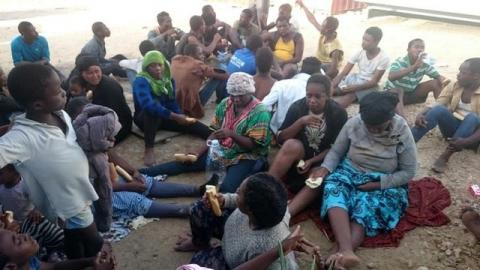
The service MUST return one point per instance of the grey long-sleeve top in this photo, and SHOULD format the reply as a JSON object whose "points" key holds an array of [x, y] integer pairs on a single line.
{"points": [[393, 152]]}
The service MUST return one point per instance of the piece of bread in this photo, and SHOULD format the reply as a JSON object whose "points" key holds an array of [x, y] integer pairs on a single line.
{"points": [[124, 174], [89, 95], [113, 172], [9, 216], [211, 192], [190, 120], [301, 164], [314, 183], [185, 158]]}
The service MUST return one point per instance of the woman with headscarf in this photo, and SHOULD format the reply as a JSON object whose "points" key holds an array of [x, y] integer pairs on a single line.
{"points": [[155, 105], [105, 91], [241, 124], [366, 174]]}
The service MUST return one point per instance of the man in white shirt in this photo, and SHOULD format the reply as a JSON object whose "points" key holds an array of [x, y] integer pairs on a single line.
{"points": [[134, 66], [372, 63], [286, 92]]}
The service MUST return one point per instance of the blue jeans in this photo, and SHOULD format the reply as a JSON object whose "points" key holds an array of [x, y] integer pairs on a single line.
{"points": [[450, 126], [214, 85], [234, 177], [131, 75]]}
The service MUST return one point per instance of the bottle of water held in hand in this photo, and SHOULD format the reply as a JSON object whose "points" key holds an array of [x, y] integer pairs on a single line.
{"points": [[215, 165]]}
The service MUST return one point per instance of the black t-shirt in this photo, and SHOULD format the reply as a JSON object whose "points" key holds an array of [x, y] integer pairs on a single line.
{"points": [[335, 118]]}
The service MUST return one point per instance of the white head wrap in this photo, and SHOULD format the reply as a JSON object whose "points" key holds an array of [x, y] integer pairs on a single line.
{"points": [[240, 83]]}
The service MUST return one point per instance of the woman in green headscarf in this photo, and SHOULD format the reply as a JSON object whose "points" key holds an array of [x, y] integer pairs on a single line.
{"points": [[155, 105]]}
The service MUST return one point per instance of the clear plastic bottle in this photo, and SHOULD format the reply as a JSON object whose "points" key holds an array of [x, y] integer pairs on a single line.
{"points": [[215, 165]]}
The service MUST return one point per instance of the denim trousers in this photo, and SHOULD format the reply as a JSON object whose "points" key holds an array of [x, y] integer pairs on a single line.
{"points": [[450, 126]]}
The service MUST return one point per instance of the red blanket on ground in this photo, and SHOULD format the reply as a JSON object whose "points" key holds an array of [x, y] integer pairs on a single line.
{"points": [[427, 198]]}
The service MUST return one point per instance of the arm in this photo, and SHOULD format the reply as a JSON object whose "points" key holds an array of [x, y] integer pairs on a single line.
{"points": [[272, 98], [311, 18], [367, 85], [76, 264], [293, 123], [346, 70], [206, 49], [396, 72], [143, 95], [338, 149], [299, 46], [118, 160]]}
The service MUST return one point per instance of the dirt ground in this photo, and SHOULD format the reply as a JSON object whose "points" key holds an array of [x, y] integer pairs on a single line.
{"points": [[66, 24]]}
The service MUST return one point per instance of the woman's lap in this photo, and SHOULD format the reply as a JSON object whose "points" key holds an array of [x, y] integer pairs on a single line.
{"points": [[376, 211]]}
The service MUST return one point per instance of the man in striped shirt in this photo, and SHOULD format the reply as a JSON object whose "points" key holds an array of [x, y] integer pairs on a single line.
{"points": [[406, 74]]}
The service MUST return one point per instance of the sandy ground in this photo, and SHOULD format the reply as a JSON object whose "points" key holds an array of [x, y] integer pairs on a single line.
{"points": [[66, 24]]}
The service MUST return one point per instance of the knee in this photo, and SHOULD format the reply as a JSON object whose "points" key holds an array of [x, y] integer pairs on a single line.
{"points": [[292, 147], [438, 110], [472, 118]]}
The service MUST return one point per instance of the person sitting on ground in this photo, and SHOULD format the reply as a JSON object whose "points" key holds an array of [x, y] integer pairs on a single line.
{"points": [[18, 251], [372, 63], [165, 35], [366, 172], [329, 50], [7, 103], [243, 60], [134, 66], [190, 72], [96, 48], [311, 126], [241, 124], [456, 112], [263, 80], [287, 46], [14, 197], [215, 26], [96, 127], [253, 221], [285, 11], [106, 92], [197, 36], [406, 74], [285, 92], [30, 47], [243, 28], [155, 104], [43, 148], [471, 219]]}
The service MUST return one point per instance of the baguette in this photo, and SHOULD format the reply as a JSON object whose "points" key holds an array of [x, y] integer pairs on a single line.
{"points": [[185, 158], [124, 174], [301, 164], [314, 183], [211, 192], [190, 120], [9, 216], [113, 172]]}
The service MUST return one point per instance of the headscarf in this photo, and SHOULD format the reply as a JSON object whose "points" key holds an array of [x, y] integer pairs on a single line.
{"points": [[164, 85], [84, 61], [240, 83], [378, 107]]}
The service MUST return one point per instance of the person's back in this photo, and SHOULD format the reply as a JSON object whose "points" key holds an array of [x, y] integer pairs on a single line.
{"points": [[263, 81]]}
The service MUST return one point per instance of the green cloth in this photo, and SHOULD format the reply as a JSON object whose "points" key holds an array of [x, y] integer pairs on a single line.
{"points": [[163, 86], [254, 126], [413, 79]]}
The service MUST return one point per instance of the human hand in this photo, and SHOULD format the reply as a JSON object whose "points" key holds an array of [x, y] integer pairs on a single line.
{"points": [[457, 144], [217, 37], [310, 120], [180, 119], [35, 216], [223, 133], [337, 55], [370, 186], [138, 177], [318, 172], [136, 186], [419, 62], [105, 259], [300, 3], [220, 198], [306, 167], [421, 121], [170, 32], [297, 242]]}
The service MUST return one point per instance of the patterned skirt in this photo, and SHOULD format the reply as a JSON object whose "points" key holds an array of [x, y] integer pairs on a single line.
{"points": [[377, 211]]}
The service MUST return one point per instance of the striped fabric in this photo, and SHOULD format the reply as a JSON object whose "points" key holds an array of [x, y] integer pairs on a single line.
{"points": [[413, 79], [47, 234]]}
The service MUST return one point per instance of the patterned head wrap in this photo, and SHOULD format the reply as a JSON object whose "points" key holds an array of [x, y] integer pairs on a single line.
{"points": [[240, 83]]}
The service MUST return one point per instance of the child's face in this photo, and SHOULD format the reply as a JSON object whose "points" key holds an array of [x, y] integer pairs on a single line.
{"points": [[8, 176], [19, 248], [76, 90], [54, 96]]}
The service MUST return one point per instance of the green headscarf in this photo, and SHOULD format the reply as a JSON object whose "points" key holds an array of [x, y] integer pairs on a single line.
{"points": [[163, 86]]}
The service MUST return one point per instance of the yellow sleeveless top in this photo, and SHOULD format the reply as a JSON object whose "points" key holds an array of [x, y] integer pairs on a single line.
{"points": [[325, 49], [284, 50]]}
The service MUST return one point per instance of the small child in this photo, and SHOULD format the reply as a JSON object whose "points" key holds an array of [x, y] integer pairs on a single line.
{"points": [[17, 252], [42, 146], [14, 197], [76, 88]]}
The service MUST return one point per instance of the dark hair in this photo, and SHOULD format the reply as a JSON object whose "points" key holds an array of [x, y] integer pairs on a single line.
{"points": [[161, 16], [206, 8], [474, 64], [248, 12], [146, 46], [196, 22], [266, 198], [378, 107], [254, 42], [264, 59], [286, 6], [321, 79], [311, 65], [76, 80], [75, 106], [23, 25], [332, 22], [84, 61], [27, 82], [410, 44], [374, 32], [191, 49], [282, 19], [96, 26]]}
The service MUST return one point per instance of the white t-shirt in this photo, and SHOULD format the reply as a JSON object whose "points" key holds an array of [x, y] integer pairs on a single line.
{"points": [[52, 164], [367, 67]]}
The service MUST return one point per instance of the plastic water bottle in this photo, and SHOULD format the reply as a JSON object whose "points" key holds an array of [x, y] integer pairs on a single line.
{"points": [[215, 164]]}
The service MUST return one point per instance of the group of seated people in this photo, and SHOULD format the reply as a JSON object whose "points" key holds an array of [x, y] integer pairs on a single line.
{"points": [[59, 169]]}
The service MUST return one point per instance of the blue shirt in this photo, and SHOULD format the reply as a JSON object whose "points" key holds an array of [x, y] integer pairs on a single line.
{"points": [[38, 50], [243, 60], [158, 106]]}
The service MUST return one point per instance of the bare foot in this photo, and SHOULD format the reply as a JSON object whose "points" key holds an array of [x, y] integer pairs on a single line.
{"points": [[185, 246], [440, 165], [471, 220], [149, 157], [349, 259]]}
